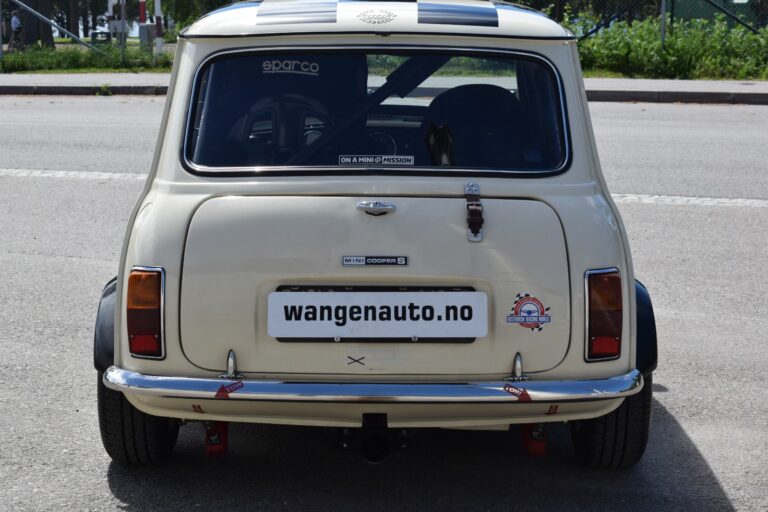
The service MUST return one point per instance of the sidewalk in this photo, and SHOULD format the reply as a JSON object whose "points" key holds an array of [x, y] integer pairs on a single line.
{"points": [[85, 84], [598, 89]]}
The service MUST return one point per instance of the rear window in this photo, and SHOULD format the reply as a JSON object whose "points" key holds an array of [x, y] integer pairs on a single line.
{"points": [[364, 110]]}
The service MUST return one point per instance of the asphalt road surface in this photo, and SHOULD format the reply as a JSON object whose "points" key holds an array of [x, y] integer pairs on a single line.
{"points": [[694, 196]]}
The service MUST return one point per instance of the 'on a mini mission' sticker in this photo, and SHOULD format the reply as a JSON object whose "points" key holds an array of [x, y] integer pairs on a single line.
{"points": [[376, 160]]}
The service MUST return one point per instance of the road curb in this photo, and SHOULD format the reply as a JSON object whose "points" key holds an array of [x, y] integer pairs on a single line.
{"points": [[744, 98], [596, 95]]}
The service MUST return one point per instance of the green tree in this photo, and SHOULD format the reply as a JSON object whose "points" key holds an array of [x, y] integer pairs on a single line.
{"points": [[185, 12], [34, 29]]}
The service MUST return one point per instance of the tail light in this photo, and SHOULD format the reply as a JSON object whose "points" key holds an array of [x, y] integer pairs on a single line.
{"points": [[145, 312], [604, 314]]}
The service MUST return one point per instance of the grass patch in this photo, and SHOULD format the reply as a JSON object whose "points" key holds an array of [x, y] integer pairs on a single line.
{"points": [[695, 49], [170, 36], [84, 71], [131, 41], [383, 65], [604, 73], [68, 60]]}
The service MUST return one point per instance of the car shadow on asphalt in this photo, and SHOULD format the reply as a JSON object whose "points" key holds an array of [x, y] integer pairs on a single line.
{"points": [[298, 468]]}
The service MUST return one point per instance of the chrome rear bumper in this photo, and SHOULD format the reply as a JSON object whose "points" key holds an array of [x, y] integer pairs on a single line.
{"points": [[493, 392]]}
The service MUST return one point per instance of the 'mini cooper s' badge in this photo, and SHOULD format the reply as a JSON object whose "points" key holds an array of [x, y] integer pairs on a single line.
{"points": [[374, 261]]}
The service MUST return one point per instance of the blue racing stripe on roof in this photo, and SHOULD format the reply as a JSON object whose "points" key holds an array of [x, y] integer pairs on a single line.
{"points": [[479, 15], [280, 12]]}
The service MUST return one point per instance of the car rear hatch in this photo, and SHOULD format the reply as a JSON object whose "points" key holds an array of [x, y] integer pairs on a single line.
{"points": [[325, 285]]}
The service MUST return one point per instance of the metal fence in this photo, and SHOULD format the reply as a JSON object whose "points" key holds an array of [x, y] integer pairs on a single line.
{"points": [[753, 14]]}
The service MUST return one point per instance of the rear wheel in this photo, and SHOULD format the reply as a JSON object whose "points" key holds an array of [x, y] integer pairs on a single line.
{"points": [[129, 435], [616, 440]]}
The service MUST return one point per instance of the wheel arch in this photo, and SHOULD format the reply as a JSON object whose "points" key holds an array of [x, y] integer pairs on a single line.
{"points": [[646, 346], [104, 333]]}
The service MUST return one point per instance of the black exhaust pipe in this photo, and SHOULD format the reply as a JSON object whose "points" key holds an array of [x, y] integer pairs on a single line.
{"points": [[375, 447]]}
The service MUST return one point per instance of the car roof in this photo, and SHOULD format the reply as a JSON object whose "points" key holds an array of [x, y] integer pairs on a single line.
{"points": [[461, 17]]}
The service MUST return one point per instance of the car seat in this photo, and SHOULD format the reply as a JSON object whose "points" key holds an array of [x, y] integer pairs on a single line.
{"points": [[484, 122], [242, 91]]}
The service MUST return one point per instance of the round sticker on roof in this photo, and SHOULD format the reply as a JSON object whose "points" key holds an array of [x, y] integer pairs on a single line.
{"points": [[377, 17]]}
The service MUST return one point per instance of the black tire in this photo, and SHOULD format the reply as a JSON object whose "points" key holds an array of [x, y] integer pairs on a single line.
{"points": [[616, 440], [129, 435]]}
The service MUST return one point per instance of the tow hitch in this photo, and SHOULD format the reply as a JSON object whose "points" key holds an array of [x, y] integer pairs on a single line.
{"points": [[375, 441]]}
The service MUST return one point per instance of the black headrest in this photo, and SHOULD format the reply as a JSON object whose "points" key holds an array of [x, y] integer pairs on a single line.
{"points": [[472, 103], [481, 119]]}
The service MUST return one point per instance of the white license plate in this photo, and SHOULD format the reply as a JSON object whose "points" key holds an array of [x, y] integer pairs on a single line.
{"points": [[381, 315]]}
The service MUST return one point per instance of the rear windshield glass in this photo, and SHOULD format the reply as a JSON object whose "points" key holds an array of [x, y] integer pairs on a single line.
{"points": [[376, 110]]}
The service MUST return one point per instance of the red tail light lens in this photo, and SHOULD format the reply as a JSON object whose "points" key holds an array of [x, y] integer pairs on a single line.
{"points": [[145, 290], [604, 315]]}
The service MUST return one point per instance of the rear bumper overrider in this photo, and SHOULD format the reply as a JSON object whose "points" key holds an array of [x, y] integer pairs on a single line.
{"points": [[481, 392]]}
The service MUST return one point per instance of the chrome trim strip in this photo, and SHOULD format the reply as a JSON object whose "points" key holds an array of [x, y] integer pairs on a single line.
{"points": [[586, 311], [161, 270], [250, 172], [503, 391]]}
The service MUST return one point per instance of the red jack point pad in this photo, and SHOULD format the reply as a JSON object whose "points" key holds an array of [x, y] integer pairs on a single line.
{"points": [[216, 439], [534, 440]]}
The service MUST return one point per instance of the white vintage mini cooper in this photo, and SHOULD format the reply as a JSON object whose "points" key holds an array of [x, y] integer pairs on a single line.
{"points": [[376, 215]]}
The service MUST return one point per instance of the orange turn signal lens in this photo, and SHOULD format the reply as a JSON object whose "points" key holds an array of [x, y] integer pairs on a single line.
{"points": [[144, 312], [604, 315], [144, 288]]}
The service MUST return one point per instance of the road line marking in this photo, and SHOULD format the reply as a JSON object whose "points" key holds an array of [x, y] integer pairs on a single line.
{"points": [[619, 198], [688, 200], [80, 175]]}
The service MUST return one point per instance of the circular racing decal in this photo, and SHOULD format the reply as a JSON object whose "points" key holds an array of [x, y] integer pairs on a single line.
{"points": [[377, 17], [529, 312]]}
